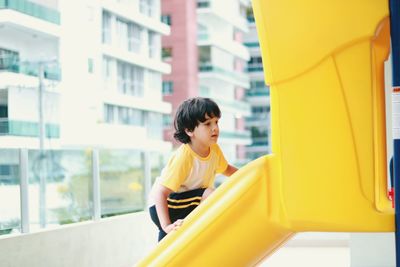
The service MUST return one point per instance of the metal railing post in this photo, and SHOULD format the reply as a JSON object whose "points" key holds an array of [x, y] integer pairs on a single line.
{"points": [[24, 189]]}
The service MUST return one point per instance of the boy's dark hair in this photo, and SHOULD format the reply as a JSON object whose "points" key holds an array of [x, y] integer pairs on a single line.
{"points": [[190, 113]]}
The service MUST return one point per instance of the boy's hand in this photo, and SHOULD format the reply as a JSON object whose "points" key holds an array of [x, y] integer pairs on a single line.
{"points": [[173, 226]]}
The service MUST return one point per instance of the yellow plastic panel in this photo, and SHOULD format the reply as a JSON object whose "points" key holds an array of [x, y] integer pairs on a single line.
{"points": [[236, 226], [323, 61], [327, 106], [309, 30]]}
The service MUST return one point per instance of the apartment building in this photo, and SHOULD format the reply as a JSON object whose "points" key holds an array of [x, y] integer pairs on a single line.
{"points": [[208, 59], [75, 76], [257, 96], [101, 74], [114, 51], [29, 55]]}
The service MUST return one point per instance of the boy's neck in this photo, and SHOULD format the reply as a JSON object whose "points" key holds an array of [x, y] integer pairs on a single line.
{"points": [[200, 150]]}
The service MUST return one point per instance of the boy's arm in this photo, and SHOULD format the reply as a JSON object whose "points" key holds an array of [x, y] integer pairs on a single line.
{"points": [[160, 197], [230, 170]]}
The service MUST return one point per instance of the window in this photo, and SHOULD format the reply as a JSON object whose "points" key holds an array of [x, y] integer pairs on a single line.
{"points": [[255, 64], [250, 15], [202, 32], [166, 19], [204, 55], [130, 79], [257, 85], [154, 82], [167, 53], [90, 65], [147, 7], [153, 38], [109, 113], [155, 128], [3, 111], [134, 37], [9, 60], [167, 120], [122, 34], [106, 33], [107, 68], [123, 115], [168, 88], [259, 110]]}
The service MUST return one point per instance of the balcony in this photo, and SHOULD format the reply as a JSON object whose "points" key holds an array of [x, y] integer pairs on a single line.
{"points": [[209, 71], [32, 9], [203, 4], [129, 11], [255, 68], [257, 92], [27, 128], [252, 44], [237, 107], [230, 46], [208, 11], [31, 69], [235, 137]]}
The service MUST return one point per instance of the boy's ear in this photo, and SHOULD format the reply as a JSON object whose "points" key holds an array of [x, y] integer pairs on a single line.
{"points": [[189, 133]]}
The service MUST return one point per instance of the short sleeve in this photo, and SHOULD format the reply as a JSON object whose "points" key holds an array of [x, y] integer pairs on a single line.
{"points": [[176, 171], [222, 163]]}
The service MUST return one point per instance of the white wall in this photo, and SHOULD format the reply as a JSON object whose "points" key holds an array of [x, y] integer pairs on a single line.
{"points": [[372, 250], [118, 242], [23, 105]]}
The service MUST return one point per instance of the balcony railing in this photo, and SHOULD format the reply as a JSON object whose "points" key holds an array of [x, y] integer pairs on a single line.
{"points": [[258, 92], [32, 9], [28, 129], [252, 44], [236, 134], [78, 185], [31, 69], [255, 68], [203, 4], [207, 67], [232, 104]]}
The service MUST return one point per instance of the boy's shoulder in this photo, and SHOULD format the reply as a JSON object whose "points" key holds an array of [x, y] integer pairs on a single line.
{"points": [[216, 148], [183, 151]]}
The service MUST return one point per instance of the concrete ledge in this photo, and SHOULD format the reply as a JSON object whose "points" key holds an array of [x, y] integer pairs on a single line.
{"points": [[117, 241]]}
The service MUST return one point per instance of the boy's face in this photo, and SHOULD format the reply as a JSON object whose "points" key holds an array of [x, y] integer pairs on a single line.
{"points": [[206, 133]]}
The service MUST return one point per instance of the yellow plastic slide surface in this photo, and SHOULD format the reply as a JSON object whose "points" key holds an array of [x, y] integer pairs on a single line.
{"points": [[236, 226], [324, 62]]}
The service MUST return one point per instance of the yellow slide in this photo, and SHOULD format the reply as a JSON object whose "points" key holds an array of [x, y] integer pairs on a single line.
{"points": [[323, 61]]}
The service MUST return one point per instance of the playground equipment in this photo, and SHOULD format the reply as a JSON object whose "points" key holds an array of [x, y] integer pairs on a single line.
{"points": [[324, 62]]}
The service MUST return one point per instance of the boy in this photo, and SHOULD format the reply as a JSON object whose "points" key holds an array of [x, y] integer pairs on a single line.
{"points": [[189, 175]]}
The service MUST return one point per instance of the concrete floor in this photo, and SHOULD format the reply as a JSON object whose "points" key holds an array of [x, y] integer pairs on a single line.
{"points": [[312, 250]]}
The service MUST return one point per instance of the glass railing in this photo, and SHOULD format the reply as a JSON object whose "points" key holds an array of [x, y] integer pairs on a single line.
{"points": [[31, 69], [202, 36], [121, 182], [258, 92], [241, 77], [256, 118], [255, 68], [251, 19], [42, 189], [252, 44], [203, 4], [235, 104], [10, 219], [32, 9], [236, 134], [259, 141], [27, 128]]}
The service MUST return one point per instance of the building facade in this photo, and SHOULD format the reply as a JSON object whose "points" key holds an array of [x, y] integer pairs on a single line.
{"points": [[257, 96], [101, 74]]}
